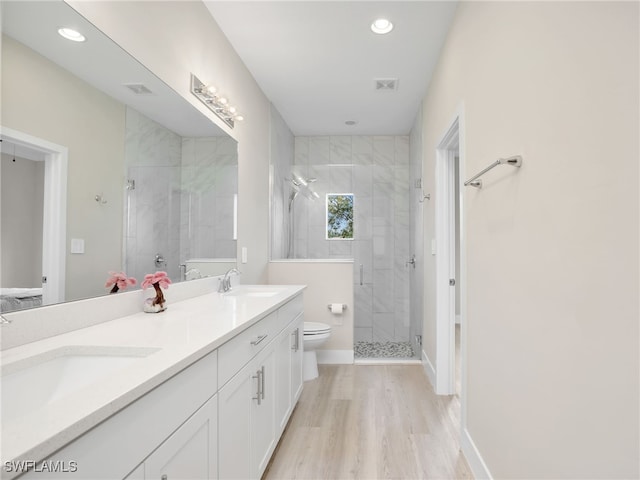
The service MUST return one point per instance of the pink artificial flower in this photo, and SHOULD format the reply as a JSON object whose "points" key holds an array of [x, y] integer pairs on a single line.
{"points": [[158, 277], [119, 280]]}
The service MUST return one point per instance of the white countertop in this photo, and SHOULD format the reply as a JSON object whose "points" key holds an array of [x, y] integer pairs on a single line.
{"points": [[184, 333]]}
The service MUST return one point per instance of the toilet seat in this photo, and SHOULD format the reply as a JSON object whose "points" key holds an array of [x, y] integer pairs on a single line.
{"points": [[316, 328]]}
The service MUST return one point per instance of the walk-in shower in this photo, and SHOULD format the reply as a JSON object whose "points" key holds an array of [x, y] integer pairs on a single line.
{"points": [[373, 177]]}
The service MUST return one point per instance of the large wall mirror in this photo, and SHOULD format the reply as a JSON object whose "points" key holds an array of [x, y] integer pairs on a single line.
{"points": [[104, 167]]}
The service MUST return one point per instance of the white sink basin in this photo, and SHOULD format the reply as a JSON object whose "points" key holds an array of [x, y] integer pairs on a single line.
{"points": [[38, 381], [253, 291]]}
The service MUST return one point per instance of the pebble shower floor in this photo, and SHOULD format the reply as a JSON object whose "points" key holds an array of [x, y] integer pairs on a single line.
{"points": [[383, 350]]}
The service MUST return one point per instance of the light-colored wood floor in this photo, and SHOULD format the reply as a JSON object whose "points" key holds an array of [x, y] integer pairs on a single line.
{"points": [[371, 422]]}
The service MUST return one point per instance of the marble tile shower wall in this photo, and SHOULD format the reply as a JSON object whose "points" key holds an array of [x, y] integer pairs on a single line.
{"points": [[182, 204], [208, 188], [376, 170], [152, 209]]}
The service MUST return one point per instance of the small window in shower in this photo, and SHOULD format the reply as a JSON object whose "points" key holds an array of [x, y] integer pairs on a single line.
{"points": [[340, 216]]}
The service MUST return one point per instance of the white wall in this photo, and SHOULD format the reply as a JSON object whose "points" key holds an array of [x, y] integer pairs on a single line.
{"points": [[22, 209], [174, 39], [552, 249], [67, 111]]}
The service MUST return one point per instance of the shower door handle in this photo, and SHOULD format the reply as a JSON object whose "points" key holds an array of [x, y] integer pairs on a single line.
{"points": [[361, 274]]}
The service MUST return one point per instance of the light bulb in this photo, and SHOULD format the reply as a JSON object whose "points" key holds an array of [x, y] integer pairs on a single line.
{"points": [[210, 90], [71, 34], [381, 26]]}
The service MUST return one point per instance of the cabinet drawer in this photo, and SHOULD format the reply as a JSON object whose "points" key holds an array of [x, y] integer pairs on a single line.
{"points": [[237, 352], [290, 310]]}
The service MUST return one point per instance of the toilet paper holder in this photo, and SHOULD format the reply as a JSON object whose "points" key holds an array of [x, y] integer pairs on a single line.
{"points": [[344, 306]]}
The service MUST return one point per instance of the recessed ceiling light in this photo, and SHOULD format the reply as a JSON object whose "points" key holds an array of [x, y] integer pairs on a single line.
{"points": [[71, 34], [381, 26]]}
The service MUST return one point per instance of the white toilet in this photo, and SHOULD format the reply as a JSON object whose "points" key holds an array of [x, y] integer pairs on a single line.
{"points": [[315, 334]]}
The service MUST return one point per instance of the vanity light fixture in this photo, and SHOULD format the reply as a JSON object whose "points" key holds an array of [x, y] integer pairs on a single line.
{"points": [[208, 94], [381, 26], [71, 34]]}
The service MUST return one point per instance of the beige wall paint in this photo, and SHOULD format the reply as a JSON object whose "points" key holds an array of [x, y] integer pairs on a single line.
{"points": [[327, 282], [552, 249], [174, 39], [67, 111], [22, 193]]}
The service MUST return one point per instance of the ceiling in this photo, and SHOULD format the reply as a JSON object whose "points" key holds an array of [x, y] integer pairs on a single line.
{"points": [[317, 61]]}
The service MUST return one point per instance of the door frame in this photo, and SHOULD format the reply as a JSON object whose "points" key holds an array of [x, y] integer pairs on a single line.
{"points": [[54, 225], [450, 144]]}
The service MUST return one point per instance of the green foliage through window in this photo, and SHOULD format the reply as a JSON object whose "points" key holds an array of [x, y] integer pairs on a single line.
{"points": [[340, 215]]}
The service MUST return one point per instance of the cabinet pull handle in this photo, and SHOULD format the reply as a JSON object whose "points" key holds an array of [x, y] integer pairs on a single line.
{"points": [[259, 339], [258, 396], [262, 382], [296, 343]]}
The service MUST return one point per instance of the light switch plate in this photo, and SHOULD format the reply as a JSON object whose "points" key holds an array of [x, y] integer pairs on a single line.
{"points": [[77, 245]]}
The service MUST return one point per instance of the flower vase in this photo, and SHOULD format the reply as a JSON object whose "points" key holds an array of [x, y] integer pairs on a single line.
{"points": [[156, 304]]}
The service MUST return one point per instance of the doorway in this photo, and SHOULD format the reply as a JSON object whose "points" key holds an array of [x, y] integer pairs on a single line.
{"points": [[450, 262], [54, 224]]}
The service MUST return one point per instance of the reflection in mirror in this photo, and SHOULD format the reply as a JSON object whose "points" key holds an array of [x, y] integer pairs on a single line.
{"points": [[151, 182], [180, 202]]}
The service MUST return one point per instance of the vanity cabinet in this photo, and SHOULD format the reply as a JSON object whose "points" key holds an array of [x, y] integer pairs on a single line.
{"points": [[289, 366], [166, 428], [255, 405], [191, 451], [247, 419], [221, 417]]}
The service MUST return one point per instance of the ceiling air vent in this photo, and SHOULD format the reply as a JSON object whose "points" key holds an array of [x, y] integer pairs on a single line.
{"points": [[385, 84], [138, 88]]}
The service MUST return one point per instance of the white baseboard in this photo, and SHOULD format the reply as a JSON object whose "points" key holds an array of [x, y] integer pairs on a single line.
{"points": [[474, 459], [429, 370], [335, 357]]}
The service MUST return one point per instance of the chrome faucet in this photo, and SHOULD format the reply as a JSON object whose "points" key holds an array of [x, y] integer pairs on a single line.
{"points": [[225, 283]]}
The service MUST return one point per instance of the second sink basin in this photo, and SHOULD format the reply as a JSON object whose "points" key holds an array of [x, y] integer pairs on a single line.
{"points": [[37, 381], [253, 291]]}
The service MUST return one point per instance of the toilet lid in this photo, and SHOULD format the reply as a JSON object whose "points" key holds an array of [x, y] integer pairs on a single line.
{"points": [[316, 328]]}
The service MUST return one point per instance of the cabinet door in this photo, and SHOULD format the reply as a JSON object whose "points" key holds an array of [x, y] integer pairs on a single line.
{"points": [[263, 423], [191, 451], [284, 346], [234, 427], [296, 360]]}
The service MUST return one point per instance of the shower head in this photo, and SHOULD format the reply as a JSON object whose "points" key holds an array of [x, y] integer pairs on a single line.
{"points": [[301, 185]]}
